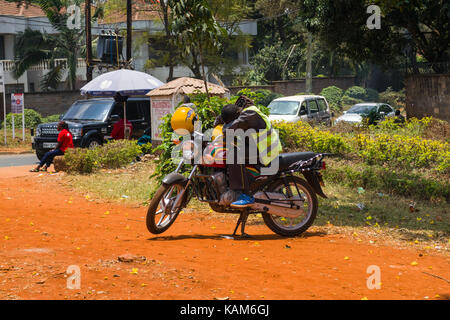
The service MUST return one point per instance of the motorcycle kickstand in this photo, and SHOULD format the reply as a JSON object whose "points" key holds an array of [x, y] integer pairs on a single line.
{"points": [[242, 221]]}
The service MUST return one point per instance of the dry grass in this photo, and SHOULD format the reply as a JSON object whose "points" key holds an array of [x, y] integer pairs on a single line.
{"points": [[17, 144], [385, 218]]}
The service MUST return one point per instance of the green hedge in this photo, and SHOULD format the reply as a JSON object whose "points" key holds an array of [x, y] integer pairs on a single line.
{"points": [[32, 119], [112, 155], [333, 95], [387, 148]]}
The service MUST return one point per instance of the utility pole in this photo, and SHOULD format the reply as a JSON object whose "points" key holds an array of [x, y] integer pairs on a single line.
{"points": [[129, 22], [87, 14], [309, 64]]}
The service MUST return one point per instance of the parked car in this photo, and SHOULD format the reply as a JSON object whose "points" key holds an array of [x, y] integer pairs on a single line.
{"points": [[356, 113], [300, 108], [91, 122]]}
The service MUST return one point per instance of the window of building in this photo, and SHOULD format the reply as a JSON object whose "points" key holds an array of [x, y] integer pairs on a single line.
{"points": [[14, 88]]}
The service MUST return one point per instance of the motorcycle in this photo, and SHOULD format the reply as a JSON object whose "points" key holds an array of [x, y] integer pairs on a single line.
{"points": [[288, 203]]}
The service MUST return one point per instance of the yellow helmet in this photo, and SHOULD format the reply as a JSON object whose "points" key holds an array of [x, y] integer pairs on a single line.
{"points": [[182, 120], [217, 132]]}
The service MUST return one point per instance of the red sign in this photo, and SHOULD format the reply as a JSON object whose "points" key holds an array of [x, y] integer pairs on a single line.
{"points": [[16, 102], [159, 109]]}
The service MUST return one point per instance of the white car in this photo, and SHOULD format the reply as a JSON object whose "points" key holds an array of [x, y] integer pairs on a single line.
{"points": [[300, 108], [355, 113]]}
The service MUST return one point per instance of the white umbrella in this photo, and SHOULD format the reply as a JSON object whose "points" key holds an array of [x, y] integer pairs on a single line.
{"points": [[125, 82]]}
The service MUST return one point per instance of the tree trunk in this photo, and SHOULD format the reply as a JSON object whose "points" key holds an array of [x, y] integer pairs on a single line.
{"points": [[203, 69], [129, 30], [87, 13], [309, 64], [172, 52]]}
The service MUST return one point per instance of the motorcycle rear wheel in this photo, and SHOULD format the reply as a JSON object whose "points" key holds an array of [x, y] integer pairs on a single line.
{"points": [[161, 214], [292, 227]]}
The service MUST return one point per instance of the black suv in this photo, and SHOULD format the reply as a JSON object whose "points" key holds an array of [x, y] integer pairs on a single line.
{"points": [[91, 122]]}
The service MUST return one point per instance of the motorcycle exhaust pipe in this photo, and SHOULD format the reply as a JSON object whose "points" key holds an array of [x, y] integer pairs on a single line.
{"points": [[281, 208]]}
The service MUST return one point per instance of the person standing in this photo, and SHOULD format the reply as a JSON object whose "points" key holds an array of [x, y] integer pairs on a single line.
{"points": [[65, 141], [118, 129]]}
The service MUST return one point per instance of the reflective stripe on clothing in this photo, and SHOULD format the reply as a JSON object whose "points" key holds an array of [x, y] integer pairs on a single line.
{"points": [[267, 140]]}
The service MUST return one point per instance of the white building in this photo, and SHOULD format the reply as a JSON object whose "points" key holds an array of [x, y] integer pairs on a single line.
{"points": [[14, 19]]}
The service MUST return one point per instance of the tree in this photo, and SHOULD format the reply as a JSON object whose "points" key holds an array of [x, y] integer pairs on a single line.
{"points": [[195, 30], [33, 47], [417, 25]]}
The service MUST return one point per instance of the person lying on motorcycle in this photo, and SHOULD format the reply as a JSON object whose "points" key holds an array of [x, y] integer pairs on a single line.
{"points": [[246, 116]]}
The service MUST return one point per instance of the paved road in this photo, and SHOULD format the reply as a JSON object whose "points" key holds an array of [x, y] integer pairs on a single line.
{"points": [[15, 160]]}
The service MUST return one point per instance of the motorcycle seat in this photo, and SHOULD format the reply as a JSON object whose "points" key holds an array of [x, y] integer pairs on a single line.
{"points": [[286, 159]]}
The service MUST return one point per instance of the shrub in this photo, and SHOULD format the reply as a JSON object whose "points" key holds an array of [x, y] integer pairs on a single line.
{"points": [[372, 95], [356, 93], [395, 99], [116, 154], [301, 136], [333, 95], [112, 155], [347, 102], [52, 118], [32, 119], [398, 150], [80, 160], [267, 96]]}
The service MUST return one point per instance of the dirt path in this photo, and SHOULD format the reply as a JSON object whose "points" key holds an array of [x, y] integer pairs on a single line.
{"points": [[45, 228]]}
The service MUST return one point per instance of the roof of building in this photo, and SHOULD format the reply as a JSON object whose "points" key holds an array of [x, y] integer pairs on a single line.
{"points": [[186, 85], [21, 10], [142, 11]]}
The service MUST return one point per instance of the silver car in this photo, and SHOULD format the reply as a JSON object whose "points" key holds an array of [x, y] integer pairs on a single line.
{"points": [[355, 113], [308, 108]]}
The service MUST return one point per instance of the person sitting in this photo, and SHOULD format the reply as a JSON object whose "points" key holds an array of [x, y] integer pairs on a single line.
{"points": [[65, 141], [145, 138], [118, 129], [246, 116]]}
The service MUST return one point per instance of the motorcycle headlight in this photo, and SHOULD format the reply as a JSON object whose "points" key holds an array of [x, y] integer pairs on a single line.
{"points": [[189, 149]]}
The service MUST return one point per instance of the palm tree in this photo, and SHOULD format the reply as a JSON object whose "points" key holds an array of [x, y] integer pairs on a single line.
{"points": [[33, 47]]}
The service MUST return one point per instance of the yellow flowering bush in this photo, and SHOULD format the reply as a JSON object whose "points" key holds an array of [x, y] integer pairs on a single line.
{"points": [[385, 145], [301, 136], [398, 150]]}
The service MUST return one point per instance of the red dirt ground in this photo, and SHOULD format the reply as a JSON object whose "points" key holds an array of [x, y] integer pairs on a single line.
{"points": [[45, 228]]}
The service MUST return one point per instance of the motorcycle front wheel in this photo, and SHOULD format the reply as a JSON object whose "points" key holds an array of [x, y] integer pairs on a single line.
{"points": [[161, 213], [295, 188]]}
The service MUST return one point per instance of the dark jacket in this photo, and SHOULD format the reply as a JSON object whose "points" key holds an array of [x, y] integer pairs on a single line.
{"points": [[248, 119]]}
